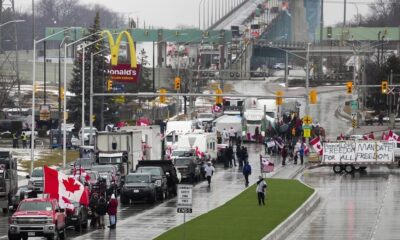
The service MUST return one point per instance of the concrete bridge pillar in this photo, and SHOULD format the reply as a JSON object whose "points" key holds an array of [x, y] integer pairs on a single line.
{"points": [[299, 23]]}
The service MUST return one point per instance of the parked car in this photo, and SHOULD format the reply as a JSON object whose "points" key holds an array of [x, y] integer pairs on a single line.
{"points": [[78, 217], [37, 217], [138, 186], [35, 183]]}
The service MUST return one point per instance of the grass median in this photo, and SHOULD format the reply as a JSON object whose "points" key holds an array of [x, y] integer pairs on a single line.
{"points": [[51, 158], [242, 218]]}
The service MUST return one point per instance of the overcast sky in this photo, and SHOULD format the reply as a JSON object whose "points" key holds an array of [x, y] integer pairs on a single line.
{"points": [[170, 13]]}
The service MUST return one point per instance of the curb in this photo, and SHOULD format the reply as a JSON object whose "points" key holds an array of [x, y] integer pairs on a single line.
{"points": [[291, 223]]}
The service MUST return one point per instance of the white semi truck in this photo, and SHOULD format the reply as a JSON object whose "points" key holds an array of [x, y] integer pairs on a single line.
{"points": [[349, 156], [123, 149]]}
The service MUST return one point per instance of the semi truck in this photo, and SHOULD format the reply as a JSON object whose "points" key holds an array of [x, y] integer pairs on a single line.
{"points": [[123, 149], [350, 156], [8, 179]]}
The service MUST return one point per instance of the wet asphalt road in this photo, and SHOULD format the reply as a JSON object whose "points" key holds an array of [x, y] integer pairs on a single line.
{"points": [[359, 206]]}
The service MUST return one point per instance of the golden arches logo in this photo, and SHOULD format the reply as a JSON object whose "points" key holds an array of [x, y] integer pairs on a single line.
{"points": [[114, 47]]}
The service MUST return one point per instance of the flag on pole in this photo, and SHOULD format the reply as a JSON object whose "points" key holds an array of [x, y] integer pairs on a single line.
{"points": [[60, 186]]}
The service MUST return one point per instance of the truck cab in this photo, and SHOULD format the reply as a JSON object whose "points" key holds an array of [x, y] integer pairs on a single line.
{"points": [[37, 217]]}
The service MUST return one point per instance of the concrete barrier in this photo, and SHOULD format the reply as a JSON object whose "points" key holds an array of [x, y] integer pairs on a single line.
{"points": [[290, 224]]}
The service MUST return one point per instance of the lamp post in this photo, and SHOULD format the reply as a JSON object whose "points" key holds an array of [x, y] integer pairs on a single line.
{"points": [[91, 93], [65, 98], [201, 1], [33, 92], [59, 86]]}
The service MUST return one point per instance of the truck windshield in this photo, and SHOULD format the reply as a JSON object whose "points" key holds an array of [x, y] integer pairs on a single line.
{"points": [[253, 122], [37, 173], [110, 160], [35, 206], [182, 161], [152, 171], [137, 179]]}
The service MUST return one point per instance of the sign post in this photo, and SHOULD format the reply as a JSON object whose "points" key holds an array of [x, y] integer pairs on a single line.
{"points": [[184, 205]]}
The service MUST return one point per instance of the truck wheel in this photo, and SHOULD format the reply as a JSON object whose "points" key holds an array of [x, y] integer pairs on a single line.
{"points": [[124, 199], [14, 236], [349, 169], [337, 169]]}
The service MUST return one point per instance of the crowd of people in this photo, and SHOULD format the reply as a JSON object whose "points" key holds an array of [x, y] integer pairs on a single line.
{"points": [[99, 207]]}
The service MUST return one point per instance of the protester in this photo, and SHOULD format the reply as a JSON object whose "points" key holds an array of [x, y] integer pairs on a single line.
{"points": [[284, 155], [225, 136], [24, 140], [246, 172], [380, 119], [239, 156], [15, 140], [209, 172], [112, 211], [261, 188], [101, 211], [301, 153], [232, 161], [232, 135], [371, 136], [94, 201]]}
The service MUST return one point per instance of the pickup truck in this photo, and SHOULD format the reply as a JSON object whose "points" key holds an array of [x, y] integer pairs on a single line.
{"points": [[164, 176], [37, 217], [189, 168], [138, 186]]}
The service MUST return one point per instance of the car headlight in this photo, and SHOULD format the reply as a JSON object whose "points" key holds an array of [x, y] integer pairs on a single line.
{"points": [[13, 220], [158, 183], [49, 220]]}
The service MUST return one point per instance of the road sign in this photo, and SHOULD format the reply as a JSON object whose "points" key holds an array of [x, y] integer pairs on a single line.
{"points": [[354, 104], [307, 120], [184, 204], [391, 91]]}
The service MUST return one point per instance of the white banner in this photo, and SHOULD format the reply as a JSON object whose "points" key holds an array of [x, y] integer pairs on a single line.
{"points": [[358, 151]]}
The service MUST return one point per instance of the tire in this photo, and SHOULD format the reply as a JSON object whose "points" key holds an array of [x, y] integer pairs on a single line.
{"points": [[14, 236], [78, 225], [124, 199], [349, 169], [337, 169]]}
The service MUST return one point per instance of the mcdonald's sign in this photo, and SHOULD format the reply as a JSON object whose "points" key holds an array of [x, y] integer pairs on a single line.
{"points": [[122, 72], [114, 47]]}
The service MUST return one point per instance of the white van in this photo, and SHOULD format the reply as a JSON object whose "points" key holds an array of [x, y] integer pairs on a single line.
{"points": [[226, 122], [205, 143]]}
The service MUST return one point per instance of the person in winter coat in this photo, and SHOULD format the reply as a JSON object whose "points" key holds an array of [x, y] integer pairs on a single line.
{"points": [[101, 210], [112, 211], [246, 172], [94, 201], [284, 155], [261, 189]]}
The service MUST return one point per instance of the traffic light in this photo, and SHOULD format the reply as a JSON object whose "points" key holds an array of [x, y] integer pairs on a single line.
{"points": [[384, 87], [349, 87], [329, 32], [218, 99], [62, 93], [109, 85], [313, 97], [279, 99], [93, 118], [177, 83], [162, 97]]}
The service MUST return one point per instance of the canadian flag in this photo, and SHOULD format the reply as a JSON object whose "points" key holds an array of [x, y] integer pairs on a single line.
{"points": [[316, 143], [64, 188], [392, 136], [199, 153]]}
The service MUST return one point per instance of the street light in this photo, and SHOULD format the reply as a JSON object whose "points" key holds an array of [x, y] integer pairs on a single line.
{"points": [[59, 86], [33, 92], [12, 21], [201, 1], [65, 98]]}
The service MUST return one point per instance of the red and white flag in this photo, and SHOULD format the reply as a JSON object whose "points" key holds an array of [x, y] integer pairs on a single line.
{"points": [[316, 143], [199, 153], [392, 136], [60, 186]]}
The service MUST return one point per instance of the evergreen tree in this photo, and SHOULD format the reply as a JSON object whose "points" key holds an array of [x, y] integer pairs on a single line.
{"points": [[101, 106], [145, 83]]}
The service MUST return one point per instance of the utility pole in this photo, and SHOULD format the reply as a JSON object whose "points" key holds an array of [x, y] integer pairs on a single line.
{"points": [[321, 37], [344, 13]]}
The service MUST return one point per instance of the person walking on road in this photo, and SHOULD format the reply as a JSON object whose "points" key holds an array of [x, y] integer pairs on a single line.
{"points": [[301, 153], [15, 140], [246, 172], [209, 172], [232, 135], [112, 211], [284, 155], [24, 139], [225, 136], [380, 119], [261, 189], [94, 201], [101, 211]]}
